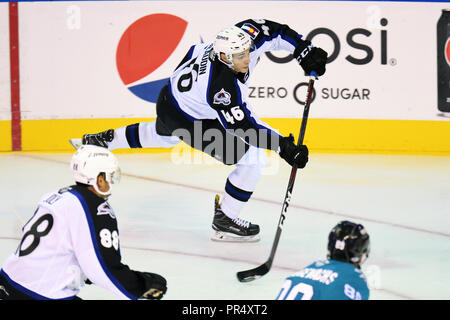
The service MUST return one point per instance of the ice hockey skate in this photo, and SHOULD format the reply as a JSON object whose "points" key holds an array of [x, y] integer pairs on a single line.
{"points": [[100, 139], [232, 230]]}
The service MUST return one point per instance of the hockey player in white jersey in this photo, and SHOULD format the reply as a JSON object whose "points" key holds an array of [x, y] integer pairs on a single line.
{"points": [[72, 239], [205, 105]]}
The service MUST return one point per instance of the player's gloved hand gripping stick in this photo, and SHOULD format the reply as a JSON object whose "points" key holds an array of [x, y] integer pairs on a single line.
{"points": [[252, 274]]}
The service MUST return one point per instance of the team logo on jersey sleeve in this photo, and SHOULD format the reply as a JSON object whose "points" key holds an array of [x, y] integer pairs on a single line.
{"points": [[105, 208], [222, 97], [251, 30]]}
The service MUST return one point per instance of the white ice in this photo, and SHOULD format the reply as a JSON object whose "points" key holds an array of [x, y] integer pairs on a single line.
{"points": [[164, 207]]}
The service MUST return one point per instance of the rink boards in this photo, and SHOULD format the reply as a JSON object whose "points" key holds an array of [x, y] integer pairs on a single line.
{"points": [[88, 66]]}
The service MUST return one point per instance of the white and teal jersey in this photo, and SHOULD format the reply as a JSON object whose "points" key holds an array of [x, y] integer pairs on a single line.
{"points": [[326, 280]]}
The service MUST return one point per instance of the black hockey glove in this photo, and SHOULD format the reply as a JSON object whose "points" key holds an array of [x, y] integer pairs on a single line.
{"points": [[311, 58], [292, 153], [156, 286]]}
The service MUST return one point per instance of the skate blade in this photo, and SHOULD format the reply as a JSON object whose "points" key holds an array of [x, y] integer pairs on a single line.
{"points": [[229, 237], [76, 143]]}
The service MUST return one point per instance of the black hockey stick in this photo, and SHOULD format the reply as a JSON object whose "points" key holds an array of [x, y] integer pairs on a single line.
{"points": [[258, 272]]}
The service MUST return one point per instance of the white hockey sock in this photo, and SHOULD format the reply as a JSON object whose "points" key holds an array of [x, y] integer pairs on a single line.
{"points": [[242, 181], [141, 135]]}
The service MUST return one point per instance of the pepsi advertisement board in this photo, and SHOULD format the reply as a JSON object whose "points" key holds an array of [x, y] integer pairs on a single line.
{"points": [[109, 59]]}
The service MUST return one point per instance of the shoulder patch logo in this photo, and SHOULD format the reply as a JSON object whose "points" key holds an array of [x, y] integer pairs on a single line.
{"points": [[105, 208], [222, 97]]}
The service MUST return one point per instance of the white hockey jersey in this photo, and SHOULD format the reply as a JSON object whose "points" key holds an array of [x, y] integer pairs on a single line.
{"points": [[204, 88], [72, 236]]}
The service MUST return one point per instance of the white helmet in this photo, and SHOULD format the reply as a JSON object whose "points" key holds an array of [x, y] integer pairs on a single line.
{"points": [[231, 40], [89, 161]]}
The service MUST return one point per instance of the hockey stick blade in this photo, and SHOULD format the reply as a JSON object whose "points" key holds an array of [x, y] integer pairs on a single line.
{"points": [[253, 274], [76, 143]]}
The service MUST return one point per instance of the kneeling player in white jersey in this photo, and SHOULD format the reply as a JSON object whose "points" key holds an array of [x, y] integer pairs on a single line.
{"points": [[205, 105], [338, 278], [72, 239]]}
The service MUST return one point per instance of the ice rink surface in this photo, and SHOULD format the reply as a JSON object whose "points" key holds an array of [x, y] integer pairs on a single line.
{"points": [[164, 207]]}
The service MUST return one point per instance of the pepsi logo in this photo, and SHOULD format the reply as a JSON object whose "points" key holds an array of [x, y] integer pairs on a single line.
{"points": [[144, 46]]}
